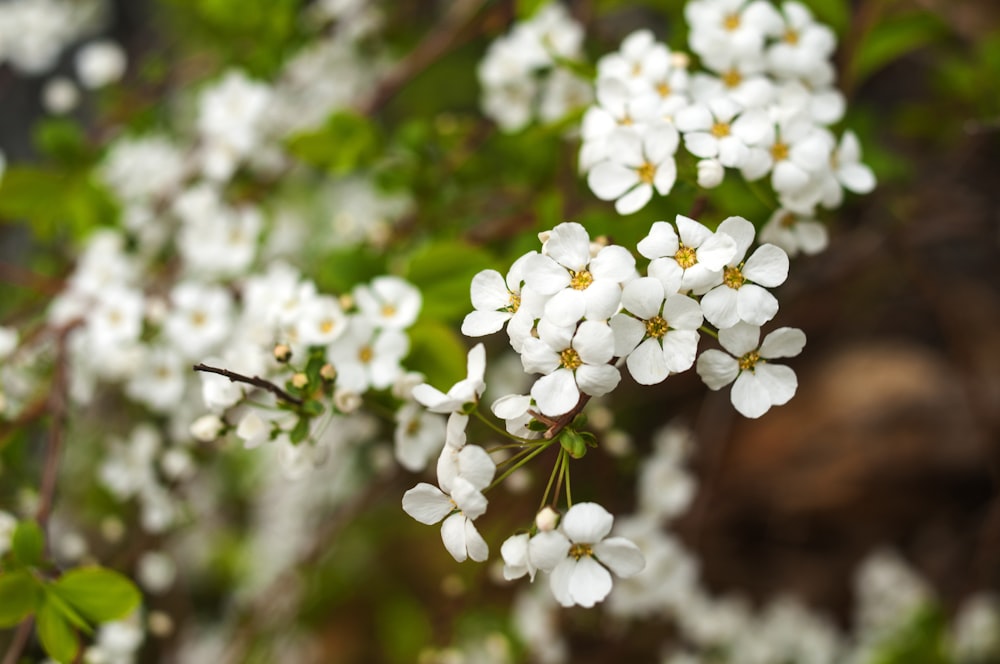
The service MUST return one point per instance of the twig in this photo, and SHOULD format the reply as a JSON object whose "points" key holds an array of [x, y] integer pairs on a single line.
{"points": [[19, 641], [256, 381], [433, 46]]}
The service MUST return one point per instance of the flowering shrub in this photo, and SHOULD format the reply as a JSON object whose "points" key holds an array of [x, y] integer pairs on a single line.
{"points": [[274, 244]]}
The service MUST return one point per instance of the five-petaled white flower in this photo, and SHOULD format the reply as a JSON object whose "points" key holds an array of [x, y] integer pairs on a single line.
{"points": [[689, 259], [585, 554], [659, 333], [572, 362], [739, 297], [462, 475], [635, 165], [759, 384]]}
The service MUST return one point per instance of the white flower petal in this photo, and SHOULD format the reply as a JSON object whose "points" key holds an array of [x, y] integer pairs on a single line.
{"points": [[590, 582], [587, 523], [783, 342], [556, 393], [740, 339], [597, 380], [594, 341], [621, 556], [628, 333], [489, 291], [643, 297], [755, 305], [481, 323], [679, 349], [717, 369], [426, 503], [660, 241], [547, 549], [750, 397], [634, 200], [767, 266], [720, 306], [453, 535], [609, 180], [778, 380], [569, 245], [647, 363]]}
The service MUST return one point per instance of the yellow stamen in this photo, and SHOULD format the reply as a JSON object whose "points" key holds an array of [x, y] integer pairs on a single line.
{"points": [[732, 277], [581, 280], [646, 173], [656, 327], [731, 22], [749, 361], [686, 257], [570, 359], [580, 550], [732, 78], [720, 129], [366, 354], [779, 151]]}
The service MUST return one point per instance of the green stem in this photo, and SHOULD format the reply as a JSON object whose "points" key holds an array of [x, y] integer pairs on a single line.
{"points": [[548, 487], [560, 464], [569, 494], [528, 457], [709, 331], [503, 432]]}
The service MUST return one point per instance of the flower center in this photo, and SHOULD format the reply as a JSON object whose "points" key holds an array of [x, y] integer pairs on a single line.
{"points": [[732, 78], [646, 172], [570, 359], [791, 36], [580, 550], [198, 318], [779, 151], [581, 280], [749, 361], [626, 121], [731, 22], [787, 220], [366, 354], [686, 257], [515, 303], [720, 129], [326, 326], [656, 327], [663, 89], [732, 277], [388, 310]]}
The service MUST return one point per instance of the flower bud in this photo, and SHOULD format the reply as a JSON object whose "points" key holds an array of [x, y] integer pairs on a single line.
{"points": [[547, 519], [346, 401], [282, 352], [207, 428], [327, 372], [300, 380], [710, 173]]}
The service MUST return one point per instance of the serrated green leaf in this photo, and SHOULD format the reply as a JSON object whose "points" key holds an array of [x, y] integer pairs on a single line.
{"points": [[97, 593], [55, 632], [19, 596], [28, 543], [443, 272]]}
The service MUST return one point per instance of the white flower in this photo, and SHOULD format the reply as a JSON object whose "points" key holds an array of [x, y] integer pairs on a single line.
{"points": [[720, 129], [805, 46], [659, 332], [721, 30], [497, 300], [582, 576], [847, 172], [739, 297], [793, 152], [580, 286], [523, 554], [364, 357], [8, 341], [230, 120], [466, 391], [418, 437], [321, 320], [458, 502], [514, 410], [573, 362], [7, 525], [794, 233], [389, 302], [635, 165], [689, 259], [60, 95], [759, 384], [200, 318], [100, 63]]}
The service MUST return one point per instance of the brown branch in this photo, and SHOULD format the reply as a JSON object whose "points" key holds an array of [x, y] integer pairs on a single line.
{"points": [[256, 381], [433, 46], [19, 641]]}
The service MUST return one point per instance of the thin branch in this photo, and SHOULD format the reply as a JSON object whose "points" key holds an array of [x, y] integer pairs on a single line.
{"points": [[256, 381], [433, 46]]}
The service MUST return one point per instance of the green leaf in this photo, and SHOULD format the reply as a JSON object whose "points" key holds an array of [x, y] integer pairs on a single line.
{"points": [[28, 543], [60, 139], [443, 272], [893, 38], [19, 597], [346, 142], [55, 203], [55, 632], [300, 431], [97, 593], [438, 352], [527, 8]]}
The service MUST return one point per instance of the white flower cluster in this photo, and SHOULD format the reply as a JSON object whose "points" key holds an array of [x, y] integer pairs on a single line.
{"points": [[522, 74], [576, 306], [33, 33], [762, 106]]}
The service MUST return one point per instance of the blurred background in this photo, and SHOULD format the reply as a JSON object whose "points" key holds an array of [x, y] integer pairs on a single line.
{"points": [[892, 441]]}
